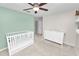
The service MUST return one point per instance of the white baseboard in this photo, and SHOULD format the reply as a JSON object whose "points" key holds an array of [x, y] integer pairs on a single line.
{"points": [[3, 49]]}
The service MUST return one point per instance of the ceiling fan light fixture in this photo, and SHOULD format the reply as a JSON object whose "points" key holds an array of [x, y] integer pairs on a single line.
{"points": [[36, 8]]}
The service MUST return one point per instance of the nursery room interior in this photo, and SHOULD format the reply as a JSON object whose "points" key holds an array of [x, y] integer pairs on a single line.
{"points": [[39, 29]]}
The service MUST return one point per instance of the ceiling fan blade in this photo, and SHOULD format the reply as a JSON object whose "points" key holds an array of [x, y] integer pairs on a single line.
{"points": [[27, 9], [41, 4], [43, 9], [31, 4]]}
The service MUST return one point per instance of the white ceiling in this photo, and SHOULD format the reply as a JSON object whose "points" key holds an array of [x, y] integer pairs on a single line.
{"points": [[53, 8]]}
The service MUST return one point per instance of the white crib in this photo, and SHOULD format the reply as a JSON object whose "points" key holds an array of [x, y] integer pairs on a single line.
{"points": [[19, 40], [55, 36]]}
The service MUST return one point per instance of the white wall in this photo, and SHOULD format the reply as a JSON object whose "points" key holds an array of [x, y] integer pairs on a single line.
{"points": [[62, 22]]}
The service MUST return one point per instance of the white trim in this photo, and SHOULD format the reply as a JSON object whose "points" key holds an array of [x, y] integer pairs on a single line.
{"points": [[3, 49]]}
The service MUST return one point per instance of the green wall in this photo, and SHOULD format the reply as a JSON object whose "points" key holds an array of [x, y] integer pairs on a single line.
{"points": [[13, 21]]}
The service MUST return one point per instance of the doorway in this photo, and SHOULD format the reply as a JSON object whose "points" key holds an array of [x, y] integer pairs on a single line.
{"points": [[39, 25]]}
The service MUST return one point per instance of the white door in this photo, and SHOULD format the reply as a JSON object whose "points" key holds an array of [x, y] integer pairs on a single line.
{"points": [[39, 25]]}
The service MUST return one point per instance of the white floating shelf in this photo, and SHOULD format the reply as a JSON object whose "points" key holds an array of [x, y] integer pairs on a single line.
{"points": [[77, 30], [77, 20]]}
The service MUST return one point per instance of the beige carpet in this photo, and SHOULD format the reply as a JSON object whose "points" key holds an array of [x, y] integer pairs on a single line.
{"points": [[43, 47]]}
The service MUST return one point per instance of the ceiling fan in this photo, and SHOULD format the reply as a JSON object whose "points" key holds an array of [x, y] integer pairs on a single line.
{"points": [[36, 7]]}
